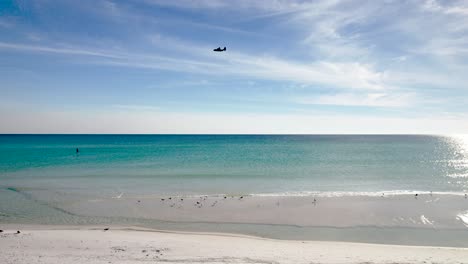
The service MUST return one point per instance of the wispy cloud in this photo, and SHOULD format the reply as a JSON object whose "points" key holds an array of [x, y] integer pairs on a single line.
{"points": [[58, 50], [353, 99], [343, 75], [452, 9]]}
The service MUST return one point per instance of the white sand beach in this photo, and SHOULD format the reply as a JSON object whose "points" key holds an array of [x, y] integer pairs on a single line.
{"points": [[79, 244]]}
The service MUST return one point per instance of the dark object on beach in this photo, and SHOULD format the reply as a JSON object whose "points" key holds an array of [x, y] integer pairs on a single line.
{"points": [[162, 199], [181, 199], [242, 197], [219, 49], [138, 200], [416, 196], [106, 229], [170, 198], [198, 202], [466, 195], [18, 232], [225, 197], [1, 231]]}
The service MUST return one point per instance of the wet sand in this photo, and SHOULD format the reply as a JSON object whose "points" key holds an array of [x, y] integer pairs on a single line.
{"points": [[425, 220], [423, 211]]}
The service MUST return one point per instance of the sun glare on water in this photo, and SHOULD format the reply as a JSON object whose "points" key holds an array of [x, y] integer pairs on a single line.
{"points": [[458, 160]]}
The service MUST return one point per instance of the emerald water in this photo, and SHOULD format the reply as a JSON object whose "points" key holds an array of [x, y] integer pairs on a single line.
{"points": [[250, 164]]}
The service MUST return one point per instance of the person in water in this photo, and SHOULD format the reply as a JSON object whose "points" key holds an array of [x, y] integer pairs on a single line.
{"points": [[77, 151]]}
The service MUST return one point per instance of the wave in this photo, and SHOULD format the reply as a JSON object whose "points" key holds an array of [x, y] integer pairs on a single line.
{"points": [[384, 193], [353, 193]]}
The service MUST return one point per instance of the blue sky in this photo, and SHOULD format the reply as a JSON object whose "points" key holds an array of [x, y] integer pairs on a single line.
{"points": [[326, 66]]}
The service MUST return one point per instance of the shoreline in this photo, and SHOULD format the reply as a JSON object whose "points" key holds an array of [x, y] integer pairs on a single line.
{"points": [[426, 220], [120, 244]]}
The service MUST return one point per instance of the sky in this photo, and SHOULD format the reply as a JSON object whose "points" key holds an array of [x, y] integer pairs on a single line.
{"points": [[291, 67]]}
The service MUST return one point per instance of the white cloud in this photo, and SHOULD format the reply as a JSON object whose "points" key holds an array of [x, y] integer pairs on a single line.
{"points": [[343, 75], [356, 99], [58, 50], [435, 6]]}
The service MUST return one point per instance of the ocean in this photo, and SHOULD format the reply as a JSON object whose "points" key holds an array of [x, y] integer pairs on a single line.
{"points": [[237, 164], [44, 180]]}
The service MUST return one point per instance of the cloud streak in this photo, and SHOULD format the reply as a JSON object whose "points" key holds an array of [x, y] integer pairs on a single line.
{"points": [[343, 75]]}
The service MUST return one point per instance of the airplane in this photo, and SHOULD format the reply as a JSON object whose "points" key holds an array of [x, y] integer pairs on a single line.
{"points": [[219, 49]]}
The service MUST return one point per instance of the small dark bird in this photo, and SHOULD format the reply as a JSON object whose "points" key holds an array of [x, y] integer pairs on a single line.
{"points": [[1, 231], [225, 197], [181, 200], [198, 202], [162, 199], [416, 196], [18, 232], [170, 198], [138, 200], [106, 229]]}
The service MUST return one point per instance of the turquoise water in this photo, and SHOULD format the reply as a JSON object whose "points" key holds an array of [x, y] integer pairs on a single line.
{"points": [[211, 164]]}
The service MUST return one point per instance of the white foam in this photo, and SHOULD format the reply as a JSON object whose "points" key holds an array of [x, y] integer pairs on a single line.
{"points": [[118, 196], [426, 221], [346, 193], [433, 201], [463, 217]]}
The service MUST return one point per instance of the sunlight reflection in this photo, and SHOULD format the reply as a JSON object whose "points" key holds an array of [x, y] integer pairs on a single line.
{"points": [[458, 160]]}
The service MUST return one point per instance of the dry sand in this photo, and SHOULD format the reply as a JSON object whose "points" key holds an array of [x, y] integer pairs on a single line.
{"points": [[58, 244]]}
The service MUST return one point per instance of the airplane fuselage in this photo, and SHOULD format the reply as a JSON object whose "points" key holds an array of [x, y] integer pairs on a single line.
{"points": [[219, 49]]}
